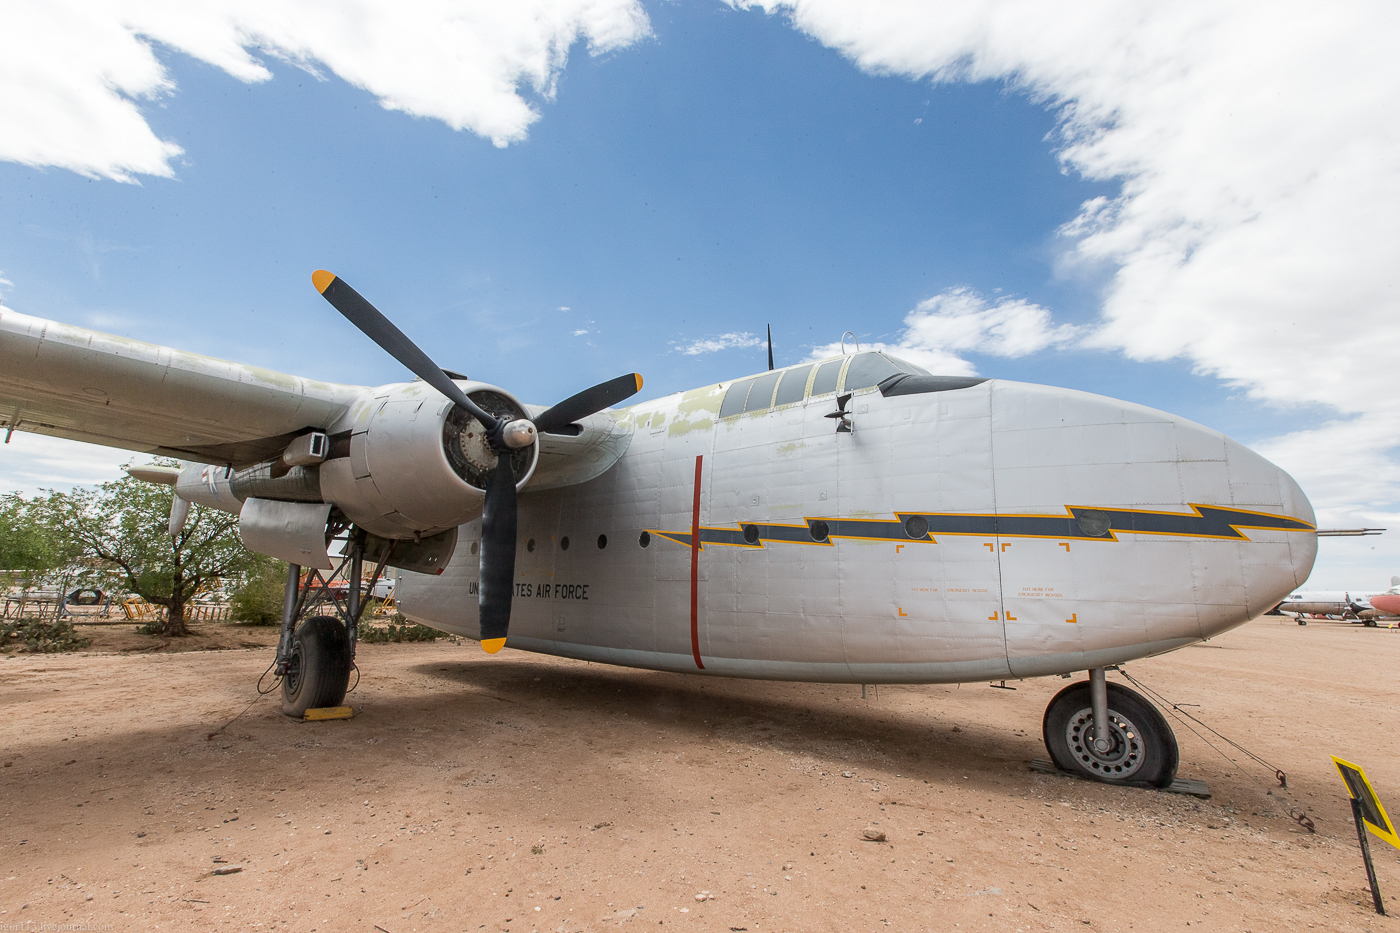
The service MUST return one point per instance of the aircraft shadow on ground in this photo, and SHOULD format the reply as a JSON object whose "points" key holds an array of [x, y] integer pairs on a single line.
{"points": [[685, 714], [757, 714]]}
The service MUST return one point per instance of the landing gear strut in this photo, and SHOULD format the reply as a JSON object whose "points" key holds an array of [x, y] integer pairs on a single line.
{"points": [[1109, 733], [316, 653]]}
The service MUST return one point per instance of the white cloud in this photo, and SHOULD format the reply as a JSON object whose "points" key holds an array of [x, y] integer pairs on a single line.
{"points": [[74, 73], [722, 342], [580, 333], [34, 461], [1258, 148], [941, 329]]}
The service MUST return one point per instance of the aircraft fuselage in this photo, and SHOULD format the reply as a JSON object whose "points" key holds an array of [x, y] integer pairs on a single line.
{"points": [[998, 530]]}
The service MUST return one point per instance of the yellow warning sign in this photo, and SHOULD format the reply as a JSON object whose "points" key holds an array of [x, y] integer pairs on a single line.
{"points": [[1372, 813]]}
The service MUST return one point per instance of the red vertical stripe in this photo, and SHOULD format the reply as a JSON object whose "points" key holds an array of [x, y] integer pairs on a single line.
{"points": [[695, 569]]}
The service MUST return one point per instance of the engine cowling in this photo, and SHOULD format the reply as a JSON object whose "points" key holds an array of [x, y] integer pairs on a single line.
{"points": [[416, 465]]}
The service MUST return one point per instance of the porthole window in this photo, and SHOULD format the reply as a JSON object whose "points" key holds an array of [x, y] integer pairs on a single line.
{"points": [[751, 534], [475, 547], [564, 543], [1094, 523], [602, 541], [820, 530], [530, 545], [644, 539], [916, 526]]}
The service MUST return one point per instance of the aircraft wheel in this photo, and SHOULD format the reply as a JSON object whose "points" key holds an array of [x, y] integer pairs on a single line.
{"points": [[319, 669], [1142, 747]]}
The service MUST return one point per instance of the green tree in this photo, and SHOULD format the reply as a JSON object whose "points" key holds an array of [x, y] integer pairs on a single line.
{"points": [[29, 543], [259, 599], [122, 526]]}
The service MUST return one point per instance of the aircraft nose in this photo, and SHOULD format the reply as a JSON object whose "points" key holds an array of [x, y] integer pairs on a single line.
{"points": [[1179, 533], [1268, 563]]}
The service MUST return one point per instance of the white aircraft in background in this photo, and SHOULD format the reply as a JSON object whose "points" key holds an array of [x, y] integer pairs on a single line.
{"points": [[1341, 604], [854, 520]]}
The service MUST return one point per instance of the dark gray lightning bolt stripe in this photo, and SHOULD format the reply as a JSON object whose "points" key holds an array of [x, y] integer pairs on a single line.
{"points": [[1082, 523]]}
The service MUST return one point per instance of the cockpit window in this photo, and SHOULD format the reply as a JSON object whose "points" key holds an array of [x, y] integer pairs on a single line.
{"points": [[867, 370], [907, 366], [734, 398], [826, 377], [793, 386], [761, 395]]}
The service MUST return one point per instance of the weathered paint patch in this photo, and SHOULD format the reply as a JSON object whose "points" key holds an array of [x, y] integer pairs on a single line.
{"points": [[680, 428], [787, 450], [696, 400]]}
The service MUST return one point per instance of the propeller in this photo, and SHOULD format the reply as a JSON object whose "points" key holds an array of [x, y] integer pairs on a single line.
{"points": [[498, 524]]}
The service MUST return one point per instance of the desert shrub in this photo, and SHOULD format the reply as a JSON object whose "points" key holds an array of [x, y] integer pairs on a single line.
{"points": [[41, 636], [259, 600], [399, 629]]}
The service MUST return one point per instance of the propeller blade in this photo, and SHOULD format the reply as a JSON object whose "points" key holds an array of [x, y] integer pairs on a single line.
{"points": [[497, 555], [770, 347], [393, 341], [603, 395]]}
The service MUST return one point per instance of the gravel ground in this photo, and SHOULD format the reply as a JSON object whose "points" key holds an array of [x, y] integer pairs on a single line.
{"points": [[518, 792]]}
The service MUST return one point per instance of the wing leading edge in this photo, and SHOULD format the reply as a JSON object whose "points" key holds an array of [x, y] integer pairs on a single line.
{"points": [[88, 386]]}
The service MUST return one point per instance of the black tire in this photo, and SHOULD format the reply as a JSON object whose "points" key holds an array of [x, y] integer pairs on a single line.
{"points": [[319, 669], [1144, 749]]}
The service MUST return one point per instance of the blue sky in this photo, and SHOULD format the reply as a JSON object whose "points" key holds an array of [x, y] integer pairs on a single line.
{"points": [[718, 171]]}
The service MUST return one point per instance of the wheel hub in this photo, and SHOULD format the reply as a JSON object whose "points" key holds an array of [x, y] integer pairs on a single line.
{"points": [[1125, 753], [292, 677]]}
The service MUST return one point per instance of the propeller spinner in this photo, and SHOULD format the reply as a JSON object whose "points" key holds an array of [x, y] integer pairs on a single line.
{"points": [[498, 517]]}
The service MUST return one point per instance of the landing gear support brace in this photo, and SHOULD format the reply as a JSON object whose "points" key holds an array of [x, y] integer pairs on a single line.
{"points": [[1098, 696]]}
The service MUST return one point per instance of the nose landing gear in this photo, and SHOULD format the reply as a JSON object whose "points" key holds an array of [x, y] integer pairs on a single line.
{"points": [[1135, 746]]}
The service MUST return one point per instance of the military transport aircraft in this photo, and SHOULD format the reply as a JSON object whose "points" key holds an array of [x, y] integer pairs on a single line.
{"points": [[852, 520]]}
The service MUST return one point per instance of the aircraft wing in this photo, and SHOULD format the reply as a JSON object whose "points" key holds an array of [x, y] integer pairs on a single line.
{"points": [[87, 386]]}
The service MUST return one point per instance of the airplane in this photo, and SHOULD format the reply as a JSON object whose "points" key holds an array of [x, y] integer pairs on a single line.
{"points": [[1344, 605], [850, 520]]}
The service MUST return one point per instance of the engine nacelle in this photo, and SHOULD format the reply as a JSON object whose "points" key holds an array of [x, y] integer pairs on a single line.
{"points": [[415, 465]]}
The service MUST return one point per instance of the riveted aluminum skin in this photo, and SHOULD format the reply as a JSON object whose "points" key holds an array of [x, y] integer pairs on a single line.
{"points": [[1060, 531]]}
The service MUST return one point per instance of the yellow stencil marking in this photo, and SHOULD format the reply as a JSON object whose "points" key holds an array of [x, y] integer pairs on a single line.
{"points": [[1073, 618], [1065, 545], [989, 546], [1010, 617], [903, 613], [898, 548], [1004, 547]]}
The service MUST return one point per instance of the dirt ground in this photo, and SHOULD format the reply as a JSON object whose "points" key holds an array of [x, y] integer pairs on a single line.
{"points": [[517, 792]]}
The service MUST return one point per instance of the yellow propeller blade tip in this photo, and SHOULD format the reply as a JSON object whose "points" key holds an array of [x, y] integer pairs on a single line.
{"points": [[322, 280], [639, 381], [492, 645]]}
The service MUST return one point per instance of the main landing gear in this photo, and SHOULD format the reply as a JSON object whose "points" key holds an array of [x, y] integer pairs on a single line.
{"points": [[1109, 733], [316, 652]]}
